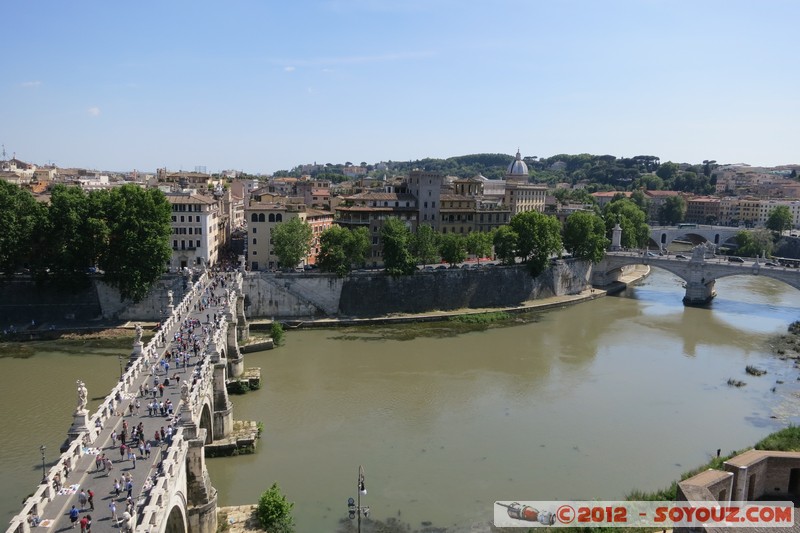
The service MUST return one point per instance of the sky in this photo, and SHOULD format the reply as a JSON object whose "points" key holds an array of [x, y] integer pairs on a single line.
{"points": [[261, 86]]}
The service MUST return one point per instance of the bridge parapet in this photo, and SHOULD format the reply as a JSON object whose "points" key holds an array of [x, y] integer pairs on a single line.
{"points": [[157, 500]]}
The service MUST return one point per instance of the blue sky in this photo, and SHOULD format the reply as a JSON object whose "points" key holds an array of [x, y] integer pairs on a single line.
{"points": [[264, 86]]}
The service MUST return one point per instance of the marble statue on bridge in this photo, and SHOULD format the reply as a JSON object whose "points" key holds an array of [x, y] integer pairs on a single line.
{"points": [[83, 396]]}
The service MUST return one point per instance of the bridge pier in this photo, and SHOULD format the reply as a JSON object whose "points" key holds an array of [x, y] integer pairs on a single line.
{"points": [[201, 510], [699, 293]]}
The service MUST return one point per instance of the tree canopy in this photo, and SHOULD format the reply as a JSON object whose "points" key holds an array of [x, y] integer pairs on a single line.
{"points": [[396, 239], [425, 245], [585, 236], [538, 237], [20, 215], [274, 511], [124, 231], [292, 242], [137, 224], [673, 211], [453, 248], [780, 219], [632, 220], [341, 248]]}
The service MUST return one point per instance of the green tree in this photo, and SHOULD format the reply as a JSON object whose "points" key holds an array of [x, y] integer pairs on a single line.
{"points": [[138, 222], [756, 243], [585, 236], [74, 236], [358, 246], [292, 242], [505, 244], [397, 256], [340, 248], [780, 219], [274, 511], [673, 211], [453, 248], [538, 237], [20, 215], [632, 220], [276, 332], [479, 244], [667, 171], [640, 200], [425, 245]]}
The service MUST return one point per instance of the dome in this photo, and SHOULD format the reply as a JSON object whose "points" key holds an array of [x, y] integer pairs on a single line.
{"points": [[517, 168]]}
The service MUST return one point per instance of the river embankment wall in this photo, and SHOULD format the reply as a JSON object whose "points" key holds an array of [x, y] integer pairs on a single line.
{"points": [[290, 296], [373, 293]]}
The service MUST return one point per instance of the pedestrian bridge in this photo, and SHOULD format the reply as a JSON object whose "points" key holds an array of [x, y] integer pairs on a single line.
{"points": [[662, 236], [172, 489], [699, 272]]}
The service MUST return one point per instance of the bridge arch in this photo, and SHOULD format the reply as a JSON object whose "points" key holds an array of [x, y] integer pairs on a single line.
{"points": [[206, 423], [176, 520]]}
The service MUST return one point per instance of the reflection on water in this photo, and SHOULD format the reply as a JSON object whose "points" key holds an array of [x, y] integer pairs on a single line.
{"points": [[590, 401]]}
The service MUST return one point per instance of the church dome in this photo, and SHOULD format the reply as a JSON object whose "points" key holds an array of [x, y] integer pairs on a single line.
{"points": [[517, 168]]}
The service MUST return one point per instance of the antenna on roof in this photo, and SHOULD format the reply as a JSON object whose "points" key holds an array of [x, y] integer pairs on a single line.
{"points": [[4, 152]]}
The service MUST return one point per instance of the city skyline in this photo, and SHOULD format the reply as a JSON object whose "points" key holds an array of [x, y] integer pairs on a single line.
{"points": [[262, 87]]}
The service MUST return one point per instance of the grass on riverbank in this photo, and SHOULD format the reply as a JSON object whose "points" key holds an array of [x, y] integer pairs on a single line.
{"points": [[481, 318], [451, 327]]}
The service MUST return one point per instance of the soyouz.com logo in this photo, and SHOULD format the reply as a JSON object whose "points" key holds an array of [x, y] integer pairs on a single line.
{"points": [[664, 514]]}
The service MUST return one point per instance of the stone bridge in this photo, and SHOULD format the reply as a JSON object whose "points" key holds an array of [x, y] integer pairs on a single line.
{"points": [[699, 272], [662, 236], [172, 489]]}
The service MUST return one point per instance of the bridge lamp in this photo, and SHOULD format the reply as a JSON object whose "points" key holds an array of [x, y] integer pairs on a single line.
{"points": [[354, 509], [44, 475]]}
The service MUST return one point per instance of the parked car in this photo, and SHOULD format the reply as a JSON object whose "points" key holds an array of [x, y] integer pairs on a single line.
{"points": [[441, 267], [734, 259], [771, 264], [651, 254], [680, 256]]}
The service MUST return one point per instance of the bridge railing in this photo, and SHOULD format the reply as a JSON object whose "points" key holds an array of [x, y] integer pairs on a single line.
{"points": [[153, 502]]}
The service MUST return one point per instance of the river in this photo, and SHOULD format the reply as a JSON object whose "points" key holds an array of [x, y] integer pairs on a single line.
{"points": [[590, 401]]}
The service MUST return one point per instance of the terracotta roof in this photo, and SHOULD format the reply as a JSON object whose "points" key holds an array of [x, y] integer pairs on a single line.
{"points": [[178, 198], [381, 196], [662, 193]]}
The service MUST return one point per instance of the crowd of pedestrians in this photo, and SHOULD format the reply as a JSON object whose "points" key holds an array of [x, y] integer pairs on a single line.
{"points": [[186, 348]]}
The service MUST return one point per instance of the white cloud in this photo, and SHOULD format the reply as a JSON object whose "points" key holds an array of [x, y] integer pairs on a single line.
{"points": [[30, 84], [93, 111], [288, 69]]}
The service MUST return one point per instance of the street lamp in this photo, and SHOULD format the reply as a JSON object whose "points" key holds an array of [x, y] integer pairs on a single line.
{"points": [[354, 509], [119, 359], [44, 475]]}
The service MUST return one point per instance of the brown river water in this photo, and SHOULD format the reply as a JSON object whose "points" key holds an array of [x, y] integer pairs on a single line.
{"points": [[587, 402]]}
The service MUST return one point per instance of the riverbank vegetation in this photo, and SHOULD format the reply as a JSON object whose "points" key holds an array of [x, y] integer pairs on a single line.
{"points": [[456, 325]]}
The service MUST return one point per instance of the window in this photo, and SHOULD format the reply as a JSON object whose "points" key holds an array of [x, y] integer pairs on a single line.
{"points": [[254, 230], [254, 218], [197, 218], [182, 217], [174, 218], [374, 240], [278, 218], [255, 265], [425, 205], [255, 241], [272, 217], [254, 252], [183, 245], [199, 231], [261, 217], [174, 245], [190, 231], [433, 205]]}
